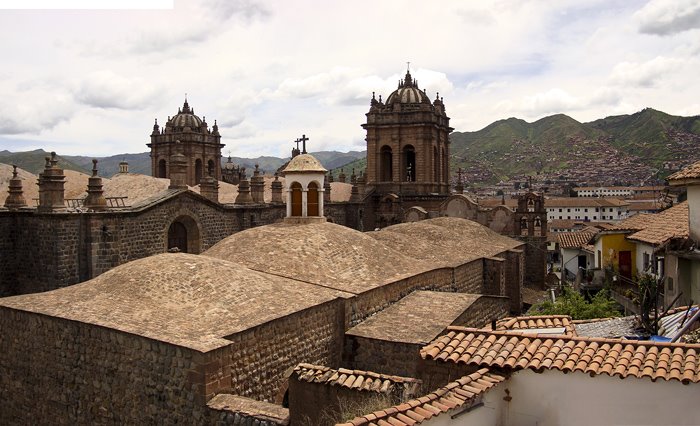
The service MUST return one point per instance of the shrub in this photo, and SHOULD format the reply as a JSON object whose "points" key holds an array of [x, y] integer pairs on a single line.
{"points": [[576, 306]]}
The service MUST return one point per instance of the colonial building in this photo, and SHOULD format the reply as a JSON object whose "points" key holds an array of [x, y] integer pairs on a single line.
{"points": [[200, 145]]}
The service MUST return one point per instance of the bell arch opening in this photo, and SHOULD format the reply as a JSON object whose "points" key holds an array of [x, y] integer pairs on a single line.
{"points": [[409, 161], [162, 169], [386, 160]]}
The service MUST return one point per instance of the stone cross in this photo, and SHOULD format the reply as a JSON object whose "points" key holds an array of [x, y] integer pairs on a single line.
{"points": [[303, 143]]}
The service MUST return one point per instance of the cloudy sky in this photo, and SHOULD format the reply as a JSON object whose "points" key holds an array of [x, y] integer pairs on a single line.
{"points": [[91, 82]]}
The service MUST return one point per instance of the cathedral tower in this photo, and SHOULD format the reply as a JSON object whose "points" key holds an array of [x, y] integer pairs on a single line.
{"points": [[200, 146], [407, 142]]}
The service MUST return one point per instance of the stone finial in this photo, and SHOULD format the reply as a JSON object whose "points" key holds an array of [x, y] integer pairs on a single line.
{"points": [[257, 186], [341, 176], [353, 177], [244, 196], [95, 199], [327, 188], [209, 188], [354, 194], [15, 199], [459, 187], [361, 181], [277, 190], [51, 186]]}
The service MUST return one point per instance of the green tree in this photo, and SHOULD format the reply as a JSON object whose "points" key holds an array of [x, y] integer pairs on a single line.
{"points": [[572, 303]]}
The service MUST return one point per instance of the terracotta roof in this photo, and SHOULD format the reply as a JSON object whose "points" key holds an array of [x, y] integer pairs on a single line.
{"points": [[462, 393], [633, 223], [537, 322], [688, 173], [417, 318], [356, 379], [584, 202], [185, 299], [661, 227], [615, 357], [574, 239]]}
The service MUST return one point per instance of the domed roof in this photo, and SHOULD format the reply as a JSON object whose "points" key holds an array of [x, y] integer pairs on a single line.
{"points": [[304, 163], [185, 118], [408, 93]]}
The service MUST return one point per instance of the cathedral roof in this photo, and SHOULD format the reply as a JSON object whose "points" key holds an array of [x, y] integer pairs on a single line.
{"points": [[327, 254], [184, 299], [408, 93], [304, 163]]}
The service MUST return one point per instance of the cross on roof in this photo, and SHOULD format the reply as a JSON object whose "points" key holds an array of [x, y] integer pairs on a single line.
{"points": [[303, 143], [297, 142]]}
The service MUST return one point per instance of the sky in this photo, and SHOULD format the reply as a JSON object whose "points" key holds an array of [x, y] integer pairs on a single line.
{"points": [[91, 82]]}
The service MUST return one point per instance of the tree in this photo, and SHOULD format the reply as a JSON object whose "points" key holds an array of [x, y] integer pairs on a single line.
{"points": [[572, 303]]}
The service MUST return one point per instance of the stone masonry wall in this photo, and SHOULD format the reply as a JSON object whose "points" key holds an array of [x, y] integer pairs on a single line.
{"points": [[494, 276], [380, 356], [256, 364], [8, 257], [67, 372], [483, 311], [514, 275], [468, 278]]}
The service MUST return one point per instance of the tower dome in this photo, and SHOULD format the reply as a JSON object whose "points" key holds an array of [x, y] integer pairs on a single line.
{"points": [[185, 118], [408, 93]]}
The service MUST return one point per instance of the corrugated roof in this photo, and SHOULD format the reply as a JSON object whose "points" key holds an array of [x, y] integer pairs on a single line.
{"points": [[614, 357], [461, 393]]}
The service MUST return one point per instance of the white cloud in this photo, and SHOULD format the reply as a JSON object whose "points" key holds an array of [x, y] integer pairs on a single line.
{"points": [[645, 74], [106, 89], [666, 17]]}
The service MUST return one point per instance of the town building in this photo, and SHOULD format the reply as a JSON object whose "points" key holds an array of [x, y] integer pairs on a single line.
{"points": [[593, 209]]}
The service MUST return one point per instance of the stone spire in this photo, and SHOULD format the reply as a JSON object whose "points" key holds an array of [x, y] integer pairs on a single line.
{"points": [[209, 188], [15, 199], [327, 188], [51, 186], [244, 193], [178, 168], [95, 199], [277, 190], [257, 186], [361, 184], [341, 176], [459, 188]]}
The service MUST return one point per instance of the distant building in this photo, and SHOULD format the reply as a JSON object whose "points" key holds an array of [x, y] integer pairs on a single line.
{"points": [[594, 209]]}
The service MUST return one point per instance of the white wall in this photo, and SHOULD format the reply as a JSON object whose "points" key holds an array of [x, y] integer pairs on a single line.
{"points": [[694, 211], [554, 398]]}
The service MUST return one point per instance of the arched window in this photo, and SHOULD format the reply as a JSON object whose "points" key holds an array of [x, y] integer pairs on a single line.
{"points": [[177, 237], [538, 227], [530, 205], [296, 199], [409, 164], [312, 200], [197, 171], [162, 169], [386, 162], [211, 170], [523, 226], [436, 165]]}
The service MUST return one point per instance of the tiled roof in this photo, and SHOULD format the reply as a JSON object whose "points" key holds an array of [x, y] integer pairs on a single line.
{"points": [[661, 227], [417, 318], [461, 393], [690, 172], [574, 239], [584, 202], [542, 321], [356, 379], [245, 411], [615, 357], [607, 327]]}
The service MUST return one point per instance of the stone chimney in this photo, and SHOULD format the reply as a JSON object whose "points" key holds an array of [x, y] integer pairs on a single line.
{"points": [[209, 188], [277, 190], [51, 183], [123, 167], [327, 188], [178, 169], [95, 199], [15, 199], [257, 186], [244, 193]]}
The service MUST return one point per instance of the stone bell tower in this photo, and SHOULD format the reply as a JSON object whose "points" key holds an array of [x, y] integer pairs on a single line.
{"points": [[408, 148], [200, 146]]}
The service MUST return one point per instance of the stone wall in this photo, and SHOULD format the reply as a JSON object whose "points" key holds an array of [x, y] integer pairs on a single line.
{"points": [[514, 276], [67, 372], [469, 277], [484, 310], [255, 365], [493, 277], [535, 261]]}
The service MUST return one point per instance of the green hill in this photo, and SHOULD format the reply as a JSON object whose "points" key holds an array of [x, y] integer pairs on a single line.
{"points": [[34, 161]]}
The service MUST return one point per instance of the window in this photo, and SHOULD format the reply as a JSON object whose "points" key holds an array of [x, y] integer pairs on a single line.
{"points": [[645, 264]]}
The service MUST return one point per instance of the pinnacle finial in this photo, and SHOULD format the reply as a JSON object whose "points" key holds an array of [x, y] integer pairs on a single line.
{"points": [[14, 170], [94, 167]]}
